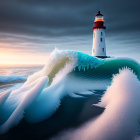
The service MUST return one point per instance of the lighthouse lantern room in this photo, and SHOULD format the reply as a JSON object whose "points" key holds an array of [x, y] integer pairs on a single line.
{"points": [[99, 47]]}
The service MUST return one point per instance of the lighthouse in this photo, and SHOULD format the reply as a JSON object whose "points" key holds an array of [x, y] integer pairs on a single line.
{"points": [[99, 47]]}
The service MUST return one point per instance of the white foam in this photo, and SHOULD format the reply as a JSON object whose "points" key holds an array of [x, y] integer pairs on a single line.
{"points": [[50, 99], [121, 117], [40, 101], [30, 96]]}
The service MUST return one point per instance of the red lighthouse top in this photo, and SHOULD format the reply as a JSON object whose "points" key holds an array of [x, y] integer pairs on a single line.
{"points": [[99, 21]]}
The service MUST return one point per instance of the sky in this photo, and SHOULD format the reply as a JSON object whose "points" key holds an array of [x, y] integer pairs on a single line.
{"points": [[31, 29]]}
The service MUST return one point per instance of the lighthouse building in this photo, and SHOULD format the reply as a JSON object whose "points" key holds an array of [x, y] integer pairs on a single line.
{"points": [[99, 47]]}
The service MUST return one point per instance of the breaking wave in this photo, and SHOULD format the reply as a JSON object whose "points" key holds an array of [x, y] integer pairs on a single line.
{"points": [[13, 78], [121, 116], [66, 74]]}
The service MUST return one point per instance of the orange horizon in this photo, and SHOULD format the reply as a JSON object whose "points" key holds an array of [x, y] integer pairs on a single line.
{"points": [[14, 56]]}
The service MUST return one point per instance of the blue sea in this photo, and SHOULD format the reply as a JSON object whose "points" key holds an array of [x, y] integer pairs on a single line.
{"points": [[13, 76], [54, 101]]}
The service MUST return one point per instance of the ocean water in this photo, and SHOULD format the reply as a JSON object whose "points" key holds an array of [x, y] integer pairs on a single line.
{"points": [[13, 76], [41, 102]]}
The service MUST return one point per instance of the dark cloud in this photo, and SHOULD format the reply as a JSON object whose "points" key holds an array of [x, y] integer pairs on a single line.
{"points": [[66, 17], [64, 21]]}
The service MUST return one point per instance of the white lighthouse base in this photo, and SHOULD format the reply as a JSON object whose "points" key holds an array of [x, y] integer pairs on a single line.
{"points": [[99, 47]]}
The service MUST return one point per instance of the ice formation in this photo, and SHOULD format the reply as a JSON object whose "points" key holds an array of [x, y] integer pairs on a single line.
{"points": [[66, 73]]}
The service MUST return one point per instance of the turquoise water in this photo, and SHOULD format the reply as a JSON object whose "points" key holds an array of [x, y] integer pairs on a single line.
{"points": [[76, 81]]}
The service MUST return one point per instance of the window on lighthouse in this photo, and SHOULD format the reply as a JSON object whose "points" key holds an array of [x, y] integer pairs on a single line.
{"points": [[103, 49], [101, 39], [101, 33]]}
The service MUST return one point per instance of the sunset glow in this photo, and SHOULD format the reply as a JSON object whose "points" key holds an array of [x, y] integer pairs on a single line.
{"points": [[10, 55]]}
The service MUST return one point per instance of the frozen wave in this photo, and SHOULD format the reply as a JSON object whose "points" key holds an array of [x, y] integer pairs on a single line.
{"points": [[66, 73], [121, 117]]}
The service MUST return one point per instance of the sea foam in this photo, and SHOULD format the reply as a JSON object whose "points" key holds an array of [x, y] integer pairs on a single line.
{"points": [[66, 73], [121, 117]]}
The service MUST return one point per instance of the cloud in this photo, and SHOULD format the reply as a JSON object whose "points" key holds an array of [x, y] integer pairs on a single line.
{"points": [[46, 24], [60, 18]]}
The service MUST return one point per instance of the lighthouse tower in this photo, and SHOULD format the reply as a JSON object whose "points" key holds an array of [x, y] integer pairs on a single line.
{"points": [[99, 47]]}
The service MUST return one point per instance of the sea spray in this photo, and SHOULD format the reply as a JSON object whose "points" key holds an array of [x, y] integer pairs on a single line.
{"points": [[121, 117], [70, 73], [17, 114], [57, 61], [49, 100]]}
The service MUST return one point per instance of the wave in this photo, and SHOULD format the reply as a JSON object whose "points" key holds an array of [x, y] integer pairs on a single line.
{"points": [[12, 78], [66, 74], [121, 116]]}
